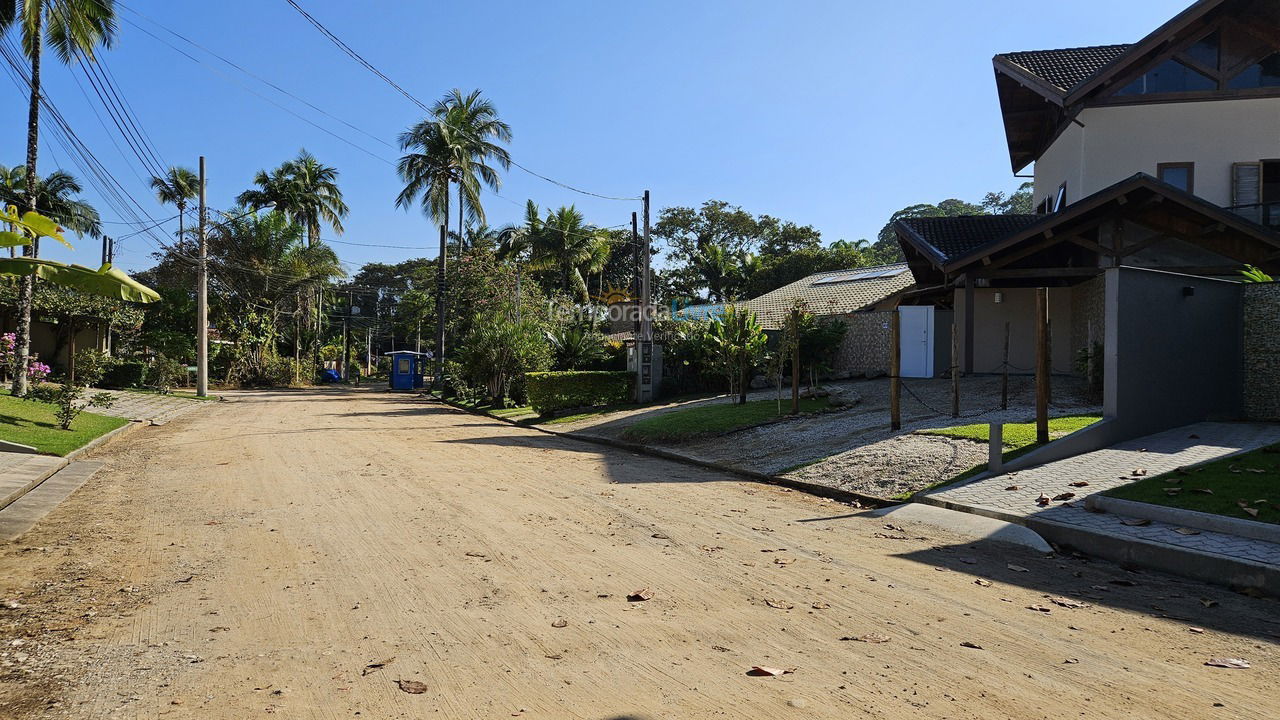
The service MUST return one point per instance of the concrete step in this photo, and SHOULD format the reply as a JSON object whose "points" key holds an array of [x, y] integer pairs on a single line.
{"points": [[20, 473], [22, 514]]}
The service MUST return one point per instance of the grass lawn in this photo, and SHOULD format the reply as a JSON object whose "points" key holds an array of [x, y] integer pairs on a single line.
{"points": [[33, 423], [1252, 478], [188, 394], [1018, 440], [717, 419]]}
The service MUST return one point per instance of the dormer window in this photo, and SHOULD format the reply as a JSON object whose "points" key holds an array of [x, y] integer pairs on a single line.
{"points": [[1169, 76], [1181, 175]]}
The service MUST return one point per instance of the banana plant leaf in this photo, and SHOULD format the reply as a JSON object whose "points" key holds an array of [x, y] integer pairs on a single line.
{"points": [[105, 281]]}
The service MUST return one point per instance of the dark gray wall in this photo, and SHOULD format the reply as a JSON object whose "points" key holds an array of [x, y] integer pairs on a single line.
{"points": [[1171, 359]]}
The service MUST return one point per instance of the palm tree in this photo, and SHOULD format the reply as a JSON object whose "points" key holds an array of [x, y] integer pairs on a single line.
{"points": [[474, 125], [71, 27], [305, 190], [178, 185], [55, 199], [565, 243]]}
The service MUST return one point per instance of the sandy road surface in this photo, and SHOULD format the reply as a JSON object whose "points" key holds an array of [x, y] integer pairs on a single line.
{"points": [[255, 558]]}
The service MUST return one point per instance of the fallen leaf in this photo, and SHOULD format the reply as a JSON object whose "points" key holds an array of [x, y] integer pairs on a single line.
{"points": [[1230, 663], [376, 666], [413, 687], [1172, 491], [640, 595], [1139, 472], [1017, 568], [1040, 608], [1136, 522], [1080, 484], [1068, 603], [1064, 496], [1208, 603], [1259, 471], [982, 583], [783, 561], [820, 606], [873, 638], [559, 623], [766, 671], [1253, 512], [778, 604], [474, 554], [968, 644], [1196, 630], [1014, 487], [1071, 661], [1186, 531], [1202, 491], [1043, 500], [186, 579], [659, 536]]}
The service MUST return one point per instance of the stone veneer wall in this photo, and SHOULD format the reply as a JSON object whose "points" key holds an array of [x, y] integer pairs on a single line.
{"points": [[1088, 303], [867, 345], [1261, 328]]}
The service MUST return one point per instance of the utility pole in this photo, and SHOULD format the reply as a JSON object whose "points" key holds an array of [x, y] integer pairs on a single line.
{"points": [[646, 324], [368, 350], [440, 282], [108, 251], [202, 298], [635, 285], [343, 369]]}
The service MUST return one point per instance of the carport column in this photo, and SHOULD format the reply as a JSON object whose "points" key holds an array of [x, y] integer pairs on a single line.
{"points": [[895, 372], [1042, 365], [995, 447]]}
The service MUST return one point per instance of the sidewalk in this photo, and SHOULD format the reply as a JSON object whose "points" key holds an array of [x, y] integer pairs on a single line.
{"points": [[148, 406], [1212, 556]]}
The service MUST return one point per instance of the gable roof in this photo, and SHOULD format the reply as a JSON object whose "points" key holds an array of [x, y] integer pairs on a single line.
{"points": [[1065, 69], [839, 292], [945, 239]]}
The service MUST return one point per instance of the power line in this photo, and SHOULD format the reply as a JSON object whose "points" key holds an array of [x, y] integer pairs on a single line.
{"points": [[369, 66]]}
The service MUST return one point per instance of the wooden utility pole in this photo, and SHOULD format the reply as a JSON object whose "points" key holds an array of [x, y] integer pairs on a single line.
{"points": [[646, 324], [955, 368], [1004, 372], [795, 361], [344, 371], [202, 296], [1042, 365], [895, 370], [440, 288], [635, 285]]}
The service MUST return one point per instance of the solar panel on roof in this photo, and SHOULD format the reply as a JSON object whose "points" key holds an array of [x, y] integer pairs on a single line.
{"points": [[860, 275]]}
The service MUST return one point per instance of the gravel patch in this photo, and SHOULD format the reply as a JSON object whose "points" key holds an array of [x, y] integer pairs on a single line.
{"points": [[893, 467]]}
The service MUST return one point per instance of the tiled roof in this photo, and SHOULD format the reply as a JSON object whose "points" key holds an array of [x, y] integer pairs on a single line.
{"points": [[955, 237], [1067, 68], [832, 297]]}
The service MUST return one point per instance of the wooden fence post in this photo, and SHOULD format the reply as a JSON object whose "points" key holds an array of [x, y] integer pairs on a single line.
{"points": [[1042, 365], [895, 368]]}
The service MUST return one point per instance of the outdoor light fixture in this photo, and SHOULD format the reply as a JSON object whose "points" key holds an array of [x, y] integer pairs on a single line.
{"points": [[999, 297], [1188, 290]]}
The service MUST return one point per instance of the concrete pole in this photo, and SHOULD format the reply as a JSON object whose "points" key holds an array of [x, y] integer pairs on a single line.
{"points": [[202, 298], [895, 372]]}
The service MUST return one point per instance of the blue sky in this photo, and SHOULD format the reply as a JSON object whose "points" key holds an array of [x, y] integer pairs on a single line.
{"points": [[832, 113]]}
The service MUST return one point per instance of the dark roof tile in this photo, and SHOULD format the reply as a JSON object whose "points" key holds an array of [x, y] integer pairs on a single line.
{"points": [[1065, 69], [955, 237]]}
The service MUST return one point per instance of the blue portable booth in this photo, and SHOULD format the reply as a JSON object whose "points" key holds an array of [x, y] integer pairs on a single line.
{"points": [[406, 369]]}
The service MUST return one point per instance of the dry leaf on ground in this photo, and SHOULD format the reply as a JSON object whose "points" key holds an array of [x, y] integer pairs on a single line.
{"points": [[1080, 484], [778, 604], [968, 644], [1014, 487], [1139, 472], [1068, 603], [982, 583], [640, 595], [1230, 663], [1136, 522], [413, 687], [1040, 608], [1064, 496], [766, 671], [1017, 568], [873, 638], [1186, 531], [376, 666], [559, 623]]}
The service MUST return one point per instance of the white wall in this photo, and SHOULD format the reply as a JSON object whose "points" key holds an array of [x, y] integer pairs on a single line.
{"points": [[1120, 141]]}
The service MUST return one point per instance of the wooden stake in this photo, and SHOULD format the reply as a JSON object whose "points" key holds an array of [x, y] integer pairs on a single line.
{"points": [[1042, 365], [895, 369], [795, 361], [1004, 372], [955, 369]]}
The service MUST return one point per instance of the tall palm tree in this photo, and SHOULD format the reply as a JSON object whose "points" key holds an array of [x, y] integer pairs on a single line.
{"points": [[475, 126], [178, 185], [71, 28], [305, 190], [565, 243]]}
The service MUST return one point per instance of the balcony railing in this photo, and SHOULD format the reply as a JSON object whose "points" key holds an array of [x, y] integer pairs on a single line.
{"points": [[1267, 214]]}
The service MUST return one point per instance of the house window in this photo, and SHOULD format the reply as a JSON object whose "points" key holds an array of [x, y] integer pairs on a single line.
{"points": [[1181, 175], [1169, 76], [1206, 51], [1264, 74], [1060, 201]]}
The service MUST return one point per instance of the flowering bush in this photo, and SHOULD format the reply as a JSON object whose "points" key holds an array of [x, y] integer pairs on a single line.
{"points": [[37, 371], [8, 354]]}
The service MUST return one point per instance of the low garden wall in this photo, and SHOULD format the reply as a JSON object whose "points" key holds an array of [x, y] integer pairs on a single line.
{"points": [[867, 346]]}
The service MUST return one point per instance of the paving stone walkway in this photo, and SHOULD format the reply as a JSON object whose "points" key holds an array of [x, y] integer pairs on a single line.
{"points": [[1113, 467], [149, 406]]}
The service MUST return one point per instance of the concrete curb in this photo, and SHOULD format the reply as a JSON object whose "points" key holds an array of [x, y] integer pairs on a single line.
{"points": [[1212, 568], [1266, 532], [968, 525], [103, 439], [830, 493]]}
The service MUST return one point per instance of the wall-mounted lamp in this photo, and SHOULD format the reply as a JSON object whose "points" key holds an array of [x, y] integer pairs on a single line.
{"points": [[999, 297], [1188, 290]]}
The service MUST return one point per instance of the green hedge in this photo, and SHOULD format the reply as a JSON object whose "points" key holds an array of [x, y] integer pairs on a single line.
{"points": [[564, 390], [124, 374]]}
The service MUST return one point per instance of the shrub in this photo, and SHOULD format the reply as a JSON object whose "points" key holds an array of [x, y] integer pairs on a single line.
{"points": [[551, 391], [167, 372], [91, 365], [67, 399], [123, 374]]}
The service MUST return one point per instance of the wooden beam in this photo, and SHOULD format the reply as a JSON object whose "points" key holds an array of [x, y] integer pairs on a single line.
{"points": [[1031, 273]]}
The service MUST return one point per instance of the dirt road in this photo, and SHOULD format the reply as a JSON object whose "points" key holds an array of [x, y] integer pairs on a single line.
{"points": [[298, 553]]}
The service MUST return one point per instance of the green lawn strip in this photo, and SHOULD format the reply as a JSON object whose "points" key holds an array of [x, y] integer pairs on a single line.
{"points": [[184, 394], [1018, 440], [716, 419], [1231, 480], [33, 423]]}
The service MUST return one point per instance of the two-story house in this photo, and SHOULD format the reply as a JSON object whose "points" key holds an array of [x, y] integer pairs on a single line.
{"points": [[1163, 154]]}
